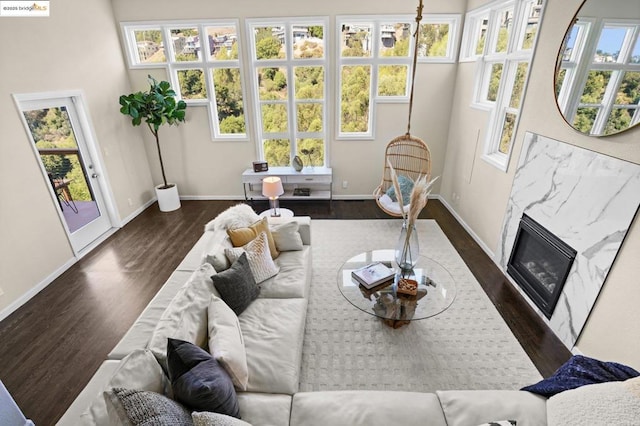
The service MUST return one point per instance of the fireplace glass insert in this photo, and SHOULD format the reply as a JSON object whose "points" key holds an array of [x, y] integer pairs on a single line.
{"points": [[540, 263]]}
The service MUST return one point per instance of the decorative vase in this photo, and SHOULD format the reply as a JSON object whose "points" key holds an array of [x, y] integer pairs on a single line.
{"points": [[297, 163], [407, 249]]}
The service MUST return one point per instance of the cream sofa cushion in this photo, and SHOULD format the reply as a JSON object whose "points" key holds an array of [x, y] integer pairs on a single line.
{"points": [[610, 403], [265, 409], [273, 330], [286, 236], [226, 343], [294, 277], [371, 408], [474, 407], [138, 370], [186, 316]]}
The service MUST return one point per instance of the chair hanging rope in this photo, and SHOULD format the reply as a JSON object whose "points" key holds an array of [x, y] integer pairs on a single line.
{"points": [[415, 61], [408, 155]]}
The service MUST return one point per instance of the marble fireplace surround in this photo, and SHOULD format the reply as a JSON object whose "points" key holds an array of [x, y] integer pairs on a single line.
{"points": [[587, 199]]}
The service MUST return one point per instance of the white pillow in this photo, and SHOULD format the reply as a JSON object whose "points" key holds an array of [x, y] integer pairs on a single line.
{"points": [[259, 257], [216, 419], [610, 403], [392, 206], [238, 216], [186, 316], [286, 236], [226, 343]]}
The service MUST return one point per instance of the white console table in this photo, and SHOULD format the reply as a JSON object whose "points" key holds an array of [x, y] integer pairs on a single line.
{"points": [[318, 180]]}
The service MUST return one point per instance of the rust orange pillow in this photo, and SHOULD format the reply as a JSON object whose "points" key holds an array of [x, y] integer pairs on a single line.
{"points": [[241, 236]]}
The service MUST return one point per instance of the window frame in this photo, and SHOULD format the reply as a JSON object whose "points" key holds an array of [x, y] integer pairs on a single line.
{"points": [[454, 21], [510, 59], [207, 65], [374, 61], [292, 134]]}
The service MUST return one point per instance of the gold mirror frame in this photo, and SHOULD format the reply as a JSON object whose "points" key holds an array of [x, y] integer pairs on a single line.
{"points": [[598, 92]]}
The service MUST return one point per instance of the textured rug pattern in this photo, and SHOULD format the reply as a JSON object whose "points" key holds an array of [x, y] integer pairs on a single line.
{"points": [[468, 346]]}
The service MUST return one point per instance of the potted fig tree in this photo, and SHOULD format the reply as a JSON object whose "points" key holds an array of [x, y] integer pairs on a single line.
{"points": [[156, 107]]}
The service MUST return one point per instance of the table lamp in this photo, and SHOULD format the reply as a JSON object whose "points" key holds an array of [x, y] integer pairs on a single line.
{"points": [[272, 189]]}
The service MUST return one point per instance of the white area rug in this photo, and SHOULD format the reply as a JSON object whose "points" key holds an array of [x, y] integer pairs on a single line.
{"points": [[468, 346]]}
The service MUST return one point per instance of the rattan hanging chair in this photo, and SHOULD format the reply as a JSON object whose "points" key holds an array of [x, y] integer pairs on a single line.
{"points": [[408, 155]]}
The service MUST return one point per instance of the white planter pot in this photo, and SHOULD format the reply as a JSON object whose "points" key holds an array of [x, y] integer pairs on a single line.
{"points": [[168, 198]]}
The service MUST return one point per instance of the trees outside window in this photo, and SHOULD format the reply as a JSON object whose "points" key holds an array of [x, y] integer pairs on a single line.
{"points": [[289, 67], [501, 37]]}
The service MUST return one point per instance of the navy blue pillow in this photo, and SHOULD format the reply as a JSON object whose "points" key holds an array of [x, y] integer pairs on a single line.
{"points": [[579, 371], [198, 381]]}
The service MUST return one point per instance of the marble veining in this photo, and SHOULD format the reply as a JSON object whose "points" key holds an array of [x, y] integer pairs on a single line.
{"points": [[588, 200]]}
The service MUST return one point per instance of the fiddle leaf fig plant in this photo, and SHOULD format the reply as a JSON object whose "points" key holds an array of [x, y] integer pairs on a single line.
{"points": [[156, 107]]}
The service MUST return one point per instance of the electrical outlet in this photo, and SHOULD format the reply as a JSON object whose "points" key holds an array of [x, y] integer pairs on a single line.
{"points": [[130, 202], [345, 184], [1, 292]]}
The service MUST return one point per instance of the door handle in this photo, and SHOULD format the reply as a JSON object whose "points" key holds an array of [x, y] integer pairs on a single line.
{"points": [[94, 175]]}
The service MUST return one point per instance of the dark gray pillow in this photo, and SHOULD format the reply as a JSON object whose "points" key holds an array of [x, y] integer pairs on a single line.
{"points": [[236, 285], [198, 381], [140, 407]]}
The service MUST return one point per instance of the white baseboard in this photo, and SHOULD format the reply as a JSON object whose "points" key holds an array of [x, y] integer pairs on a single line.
{"points": [[467, 228], [137, 211], [36, 289], [211, 197]]}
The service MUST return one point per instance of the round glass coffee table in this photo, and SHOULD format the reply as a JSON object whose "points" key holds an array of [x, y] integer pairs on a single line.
{"points": [[435, 293]]}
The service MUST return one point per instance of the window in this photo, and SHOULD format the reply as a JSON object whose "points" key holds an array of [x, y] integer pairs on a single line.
{"points": [[439, 38], [202, 61], [599, 75], [374, 63], [288, 68], [501, 38]]}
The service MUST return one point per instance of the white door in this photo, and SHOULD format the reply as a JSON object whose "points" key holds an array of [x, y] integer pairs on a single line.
{"points": [[60, 141]]}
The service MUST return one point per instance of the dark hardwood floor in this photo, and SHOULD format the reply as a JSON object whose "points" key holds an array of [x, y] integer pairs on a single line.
{"points": [[53, 344]]}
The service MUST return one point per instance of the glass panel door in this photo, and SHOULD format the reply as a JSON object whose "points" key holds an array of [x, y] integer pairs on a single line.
{"points": [[57, 136]]}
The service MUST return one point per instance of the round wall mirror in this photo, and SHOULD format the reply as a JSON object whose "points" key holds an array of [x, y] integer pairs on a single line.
{"points": [[597, 79]]}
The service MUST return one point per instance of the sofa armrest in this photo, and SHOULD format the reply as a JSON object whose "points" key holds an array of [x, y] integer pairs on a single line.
{"points": [[475, 407], [304, 223]]}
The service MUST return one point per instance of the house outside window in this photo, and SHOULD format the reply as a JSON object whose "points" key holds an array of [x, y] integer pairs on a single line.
{"points": [[501, 37], [202, 60]]}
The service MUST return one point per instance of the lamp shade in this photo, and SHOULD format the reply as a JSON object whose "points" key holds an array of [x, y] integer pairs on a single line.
{"points": [[272, 187]]}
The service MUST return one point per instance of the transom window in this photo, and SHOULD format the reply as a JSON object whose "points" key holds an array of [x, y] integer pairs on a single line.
{"points": [[202, 61], [288, 70], [501, 38]]}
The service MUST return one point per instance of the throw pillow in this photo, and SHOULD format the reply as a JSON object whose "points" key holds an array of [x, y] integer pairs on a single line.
{"points": [[286, 236], [226, 343], [406, 186], [579, 371], [242, 236], [186, 316], [139, 407], [236, 285], [216, 419], [198, 381], [612, 403], [260, 261], [237, 216]]}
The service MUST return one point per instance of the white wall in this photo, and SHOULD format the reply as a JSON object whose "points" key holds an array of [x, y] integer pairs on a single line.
{"points": [[484, 190], [77, 47], [198, 165]]}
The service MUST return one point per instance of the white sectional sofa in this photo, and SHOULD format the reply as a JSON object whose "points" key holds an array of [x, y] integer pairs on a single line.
{"points": [[273, 331]]}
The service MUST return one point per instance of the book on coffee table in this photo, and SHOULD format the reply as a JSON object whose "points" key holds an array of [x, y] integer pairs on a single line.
{"points": [[373, 274]]}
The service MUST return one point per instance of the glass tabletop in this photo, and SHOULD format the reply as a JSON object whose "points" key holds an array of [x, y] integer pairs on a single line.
{"points": [[435, 293]]}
